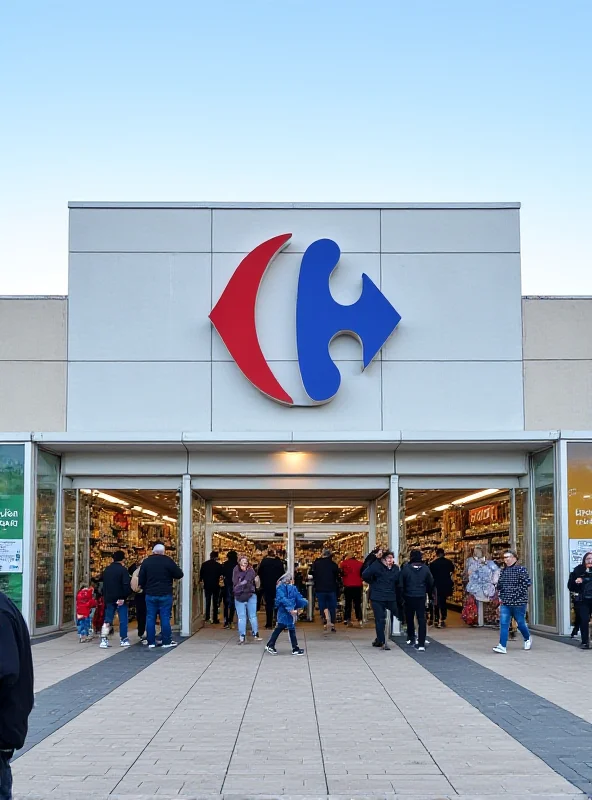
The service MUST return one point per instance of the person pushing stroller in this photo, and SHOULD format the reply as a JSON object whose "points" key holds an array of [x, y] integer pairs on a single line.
{"points": [[288, 601]]}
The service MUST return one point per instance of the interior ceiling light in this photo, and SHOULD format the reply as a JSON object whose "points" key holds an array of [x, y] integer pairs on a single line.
{"points": [[111, 499], [477, 496], [86, 491], [442, 508], [137, 508], [408, 519], [169, 519], [151, 513]]}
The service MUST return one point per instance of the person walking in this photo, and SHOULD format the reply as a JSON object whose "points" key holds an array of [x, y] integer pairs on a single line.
{"points": [[227, 572], [442, 569], [85, 602], [351, 572], [244, 584], [270, 571], [383, 577], [140, 601], [416, 582], [156, 577], [580, 582], [209, 574], [16, 688], [116, 590], [288, 602], [512, 587], [325, 574]]}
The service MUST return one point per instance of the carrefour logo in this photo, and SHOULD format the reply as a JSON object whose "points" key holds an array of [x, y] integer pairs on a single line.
{"points": [[319, 319]]}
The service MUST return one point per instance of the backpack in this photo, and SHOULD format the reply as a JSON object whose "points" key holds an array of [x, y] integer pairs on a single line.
{"points": [[135, 582]]}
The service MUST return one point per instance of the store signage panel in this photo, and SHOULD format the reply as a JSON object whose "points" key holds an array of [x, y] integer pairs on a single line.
{"points": [[579, 500], [12, 487], [319, 320]]}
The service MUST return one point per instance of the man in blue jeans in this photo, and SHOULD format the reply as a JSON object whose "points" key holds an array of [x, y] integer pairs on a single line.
{"points": [[512, 587], [156, 577], [116, 590]]}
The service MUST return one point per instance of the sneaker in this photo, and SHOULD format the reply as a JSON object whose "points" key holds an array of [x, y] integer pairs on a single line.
{"points": [[361, 623], [104, 643], [151, 646], [81, 639], [169, 645], [226, 626], [499, 649], [270, 650], [376, 643], [528, 644], [144, 641], [438, 625], [410, 641], [241, 640], [257, 638], [297, 651], [125, 643], [420, 649], [584, 647]]}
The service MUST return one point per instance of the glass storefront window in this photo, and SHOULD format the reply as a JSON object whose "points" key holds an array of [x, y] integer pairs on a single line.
{"points": [[48, 467], [69, 556], [199, 552], [543, 556], [12, 487]]}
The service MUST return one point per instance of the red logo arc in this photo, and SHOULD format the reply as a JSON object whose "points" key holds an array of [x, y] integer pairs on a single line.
{"points": [[233, 316]]}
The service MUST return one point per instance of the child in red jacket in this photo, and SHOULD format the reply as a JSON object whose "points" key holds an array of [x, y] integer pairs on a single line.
{"points": [[85, 602]]}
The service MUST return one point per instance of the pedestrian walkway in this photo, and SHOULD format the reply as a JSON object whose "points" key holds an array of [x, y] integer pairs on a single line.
{"points": [[211, 719]]}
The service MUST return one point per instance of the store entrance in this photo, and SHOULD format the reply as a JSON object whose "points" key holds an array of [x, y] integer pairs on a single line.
{"points": [[97, 523], [473, 528]]}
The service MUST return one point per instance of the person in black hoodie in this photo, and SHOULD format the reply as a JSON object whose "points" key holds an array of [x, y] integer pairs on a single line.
{"points": [[442, 569], [416, 582], [270, 571], [16, 687], [580, 582], [227, 571], [209, 575], [383, 576], [116, 589], [325, 574]]}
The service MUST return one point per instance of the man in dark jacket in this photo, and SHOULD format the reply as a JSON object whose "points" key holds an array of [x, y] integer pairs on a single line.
{"points": [[209, 575], [383, 577], [116, 589], [416, 582], [270, 571], [227, 570], [157, 574], [16, 688], [325, 574], [442, 569]]}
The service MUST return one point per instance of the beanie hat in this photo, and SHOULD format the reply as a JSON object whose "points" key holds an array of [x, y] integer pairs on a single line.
{"points": [[415, 555]]}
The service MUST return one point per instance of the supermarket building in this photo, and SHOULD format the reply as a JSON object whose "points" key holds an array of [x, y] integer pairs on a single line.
{"points": [[132, 412]]}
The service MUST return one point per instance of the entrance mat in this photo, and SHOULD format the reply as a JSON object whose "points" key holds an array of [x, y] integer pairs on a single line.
{"points": [[559, 738], [65, 700]]}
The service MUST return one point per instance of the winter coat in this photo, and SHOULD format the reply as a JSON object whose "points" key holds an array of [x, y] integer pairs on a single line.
{"points": [[157, 574], [513, 584], [416, 579], [351, 569], [442, 569], [383, 581], [584, 589], [243, 583], [270, 571], [16, 676], [116, 583], [85, 602], [287, 599], [325, 574], [210, 573]]}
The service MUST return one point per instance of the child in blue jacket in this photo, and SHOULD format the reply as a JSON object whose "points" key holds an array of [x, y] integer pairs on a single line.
{"points": [[287, 602]]}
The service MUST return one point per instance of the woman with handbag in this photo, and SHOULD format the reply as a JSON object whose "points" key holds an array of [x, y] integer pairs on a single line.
{"points": [[244, 586]]}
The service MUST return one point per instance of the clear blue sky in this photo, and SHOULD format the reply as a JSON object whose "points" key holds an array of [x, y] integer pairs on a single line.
{"points": [[320, 100]]}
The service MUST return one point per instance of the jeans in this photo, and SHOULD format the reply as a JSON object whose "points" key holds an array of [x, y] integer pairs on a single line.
{"points": [[229, 605], [278, 629], [380, 607], [353, 594], [416, 606], [163, 607], [5, 776], [269, 597], [110, 609], [584, 611], [212, 603], [327, 600], [83, 626], [242, 608], [506, 614]]}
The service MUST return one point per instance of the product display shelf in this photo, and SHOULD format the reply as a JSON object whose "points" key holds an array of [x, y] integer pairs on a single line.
{"points": [[46, 558]]}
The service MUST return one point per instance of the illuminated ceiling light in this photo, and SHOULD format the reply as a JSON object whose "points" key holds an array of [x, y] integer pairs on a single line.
{"points": [[442, 508], [151, 513], [86, 491], [408, 519], [477, 496], [111, 499], [169, 519], [137, 508]]}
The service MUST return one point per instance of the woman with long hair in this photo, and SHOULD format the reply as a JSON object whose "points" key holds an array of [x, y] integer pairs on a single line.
{"points": [[244, 586], [580, 583]]}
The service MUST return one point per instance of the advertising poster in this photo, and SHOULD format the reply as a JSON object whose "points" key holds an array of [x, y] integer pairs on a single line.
{"points": [[12, 486]]}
